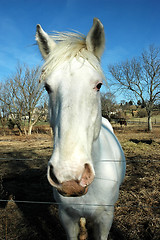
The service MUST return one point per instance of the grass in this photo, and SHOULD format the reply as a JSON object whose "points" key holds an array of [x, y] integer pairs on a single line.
{"points": [[145, 119], [137, 214]]}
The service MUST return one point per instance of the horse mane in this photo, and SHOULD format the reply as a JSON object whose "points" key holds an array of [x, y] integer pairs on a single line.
{"points": [[68, 46]]}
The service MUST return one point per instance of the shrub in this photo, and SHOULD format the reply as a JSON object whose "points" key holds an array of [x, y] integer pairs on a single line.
{"points": [[142, 113], [10, 124]]}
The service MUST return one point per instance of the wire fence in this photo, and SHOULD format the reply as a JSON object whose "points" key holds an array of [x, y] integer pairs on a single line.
{"points": [[102, 160], [80, 204]]}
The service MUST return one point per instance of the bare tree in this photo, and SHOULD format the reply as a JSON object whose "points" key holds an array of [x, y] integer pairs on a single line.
{"points": [[6, 108], [3, 109], [22, 94], [108, 104], [141, 76]]}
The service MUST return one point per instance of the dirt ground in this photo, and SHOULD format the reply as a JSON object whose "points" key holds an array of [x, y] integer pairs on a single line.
{"points": [[137, 212]]}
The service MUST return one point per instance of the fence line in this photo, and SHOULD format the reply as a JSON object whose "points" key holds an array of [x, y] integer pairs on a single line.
{"points": [[102, 160], [91, 205], [78, 204]]}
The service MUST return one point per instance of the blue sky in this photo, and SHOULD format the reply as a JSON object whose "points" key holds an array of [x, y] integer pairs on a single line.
{"points": [[130, 26]]}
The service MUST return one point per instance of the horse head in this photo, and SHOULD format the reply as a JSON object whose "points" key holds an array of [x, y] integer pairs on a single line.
{"points": [[73, 77]]}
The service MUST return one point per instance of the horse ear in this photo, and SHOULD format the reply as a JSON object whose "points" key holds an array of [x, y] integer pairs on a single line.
{"points": [[95, 40], [45, 43]]}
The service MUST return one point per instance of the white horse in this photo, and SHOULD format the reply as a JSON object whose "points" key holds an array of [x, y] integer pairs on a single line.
{"points": [[87, 165]]}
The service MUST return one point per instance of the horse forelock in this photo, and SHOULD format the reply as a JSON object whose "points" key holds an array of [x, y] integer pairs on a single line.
{"points": [[69, 45]]}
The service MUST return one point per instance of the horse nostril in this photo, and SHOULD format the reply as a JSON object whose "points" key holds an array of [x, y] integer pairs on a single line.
{"points": [[52, 175]]}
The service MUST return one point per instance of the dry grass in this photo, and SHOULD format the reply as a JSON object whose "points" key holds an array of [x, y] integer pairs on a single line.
{"points": [[140, 192], [137, 214]]}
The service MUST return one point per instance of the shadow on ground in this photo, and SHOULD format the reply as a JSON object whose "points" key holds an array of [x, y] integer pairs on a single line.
{"points": [[27, 181]]}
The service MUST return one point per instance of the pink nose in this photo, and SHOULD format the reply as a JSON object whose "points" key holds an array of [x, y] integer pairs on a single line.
{"points": [[72, 187]]}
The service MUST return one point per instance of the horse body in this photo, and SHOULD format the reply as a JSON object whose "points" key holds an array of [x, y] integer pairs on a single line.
{"points": [[87, 160], [98, 203]]}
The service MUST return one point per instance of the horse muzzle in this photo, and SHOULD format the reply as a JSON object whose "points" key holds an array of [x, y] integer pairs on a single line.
{"points": [[73, 187]]}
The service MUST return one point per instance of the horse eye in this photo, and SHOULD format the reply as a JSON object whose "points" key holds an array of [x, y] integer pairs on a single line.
{"points": [[98, 87], [48, 89]]}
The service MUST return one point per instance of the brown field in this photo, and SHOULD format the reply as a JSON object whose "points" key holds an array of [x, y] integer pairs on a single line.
{"points": [[137, 213]]}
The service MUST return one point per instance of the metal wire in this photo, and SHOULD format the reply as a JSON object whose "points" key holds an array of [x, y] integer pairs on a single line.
{"points": [[77, 204], [102, 160], [17, 159]]}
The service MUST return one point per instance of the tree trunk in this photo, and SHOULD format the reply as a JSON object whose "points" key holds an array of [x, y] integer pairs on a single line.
{"points": [[30, 129], [18, 123], [31, 124], [3, 123], [25, 132], [149, 122]]}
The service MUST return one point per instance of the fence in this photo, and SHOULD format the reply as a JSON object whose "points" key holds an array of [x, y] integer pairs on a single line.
{"points": [[36, 218], [94, 205]]}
